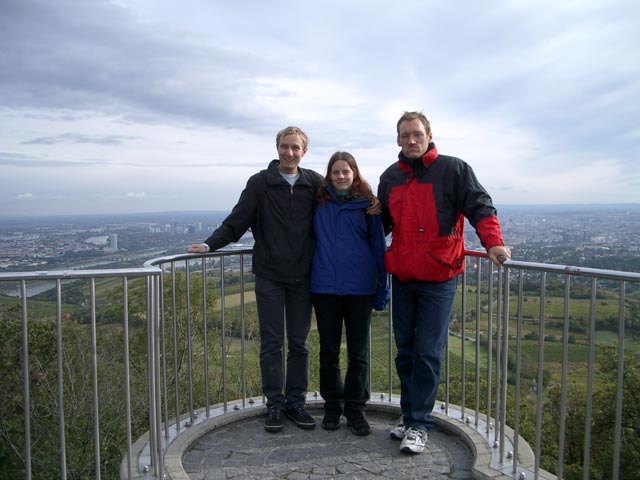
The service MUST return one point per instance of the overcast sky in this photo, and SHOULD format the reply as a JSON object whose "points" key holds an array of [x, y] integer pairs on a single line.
{"points": [[152, 105]]}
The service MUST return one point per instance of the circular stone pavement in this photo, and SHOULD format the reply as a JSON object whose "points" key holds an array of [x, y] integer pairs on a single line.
{"points": [[244, 450]]}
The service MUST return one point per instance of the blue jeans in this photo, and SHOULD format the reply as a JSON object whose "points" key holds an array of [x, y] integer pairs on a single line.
{"points": [[421, 314], [281, 306]]}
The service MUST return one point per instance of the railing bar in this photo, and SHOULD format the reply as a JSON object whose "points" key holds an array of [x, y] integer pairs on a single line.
{"points": [[478, 312], [127, 377], [224, 336], [77, 274], [489, 346], [176, 376], [390, 343], [61, 422], [94, 371], [25, 382], [205, 339], [499, 354], [463, 370], [499, 373], [154, 435], [163, 346], [620, 389], [155, 319], [539, 385], [189, 340], [243, 332], [601, 274], [565, 366], [590, 369], [516, 415], [505, 359]]}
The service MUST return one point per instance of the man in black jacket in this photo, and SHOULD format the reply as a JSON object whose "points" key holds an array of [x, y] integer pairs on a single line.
{"points": [[278, 205]]}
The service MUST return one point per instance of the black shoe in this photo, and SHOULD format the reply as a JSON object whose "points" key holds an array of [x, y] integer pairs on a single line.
{"points": [[299, 415], [274, 421], [359, 425], [331, 421]]}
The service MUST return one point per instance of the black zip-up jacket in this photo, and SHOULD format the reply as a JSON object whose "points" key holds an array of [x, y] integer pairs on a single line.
{"points": [[281, 219]]}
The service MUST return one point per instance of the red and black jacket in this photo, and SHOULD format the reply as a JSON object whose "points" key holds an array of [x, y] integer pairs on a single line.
{"points": [[424, 205]]}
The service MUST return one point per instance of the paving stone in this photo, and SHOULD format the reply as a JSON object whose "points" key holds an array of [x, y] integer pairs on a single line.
{"points": [[245, 450]]}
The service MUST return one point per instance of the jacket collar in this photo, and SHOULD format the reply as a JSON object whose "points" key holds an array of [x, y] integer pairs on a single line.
{"points": [[273, 174], [427, 159], [332, 193]]}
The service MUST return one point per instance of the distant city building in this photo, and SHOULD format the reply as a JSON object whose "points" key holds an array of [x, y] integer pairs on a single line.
{"points": [[113, 241]]}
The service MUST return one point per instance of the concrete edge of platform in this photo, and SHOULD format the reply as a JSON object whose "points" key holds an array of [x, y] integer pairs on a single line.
{"points": [[235, 411]]}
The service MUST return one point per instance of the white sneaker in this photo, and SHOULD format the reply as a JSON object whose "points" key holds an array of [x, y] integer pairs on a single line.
{"points": [[397, 432], [414, 441]]}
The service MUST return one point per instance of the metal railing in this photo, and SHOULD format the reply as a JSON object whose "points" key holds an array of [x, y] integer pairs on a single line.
{"points": [[196, 330]]}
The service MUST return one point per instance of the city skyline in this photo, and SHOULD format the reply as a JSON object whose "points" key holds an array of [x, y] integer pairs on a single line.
{"points": [[142, 106]]}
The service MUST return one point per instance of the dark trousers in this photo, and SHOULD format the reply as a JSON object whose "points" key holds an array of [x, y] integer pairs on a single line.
{"points": [[421, 313], [354, 311], [284, 307]]}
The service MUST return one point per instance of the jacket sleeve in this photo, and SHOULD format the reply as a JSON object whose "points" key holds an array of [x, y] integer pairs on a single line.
{"points": [[241, 218], [378, 245], [477, 206]]}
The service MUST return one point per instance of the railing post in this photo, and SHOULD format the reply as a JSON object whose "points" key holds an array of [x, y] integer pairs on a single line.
{"points": [[127, 377], [539, 386], [26, 383], [94, 371], [61, 424], [619, 391], [505, 357], [516, 427]]}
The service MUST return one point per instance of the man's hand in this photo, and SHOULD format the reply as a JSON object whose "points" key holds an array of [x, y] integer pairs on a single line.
{"points": [[498, 255], [196, 248], [375, 208]]}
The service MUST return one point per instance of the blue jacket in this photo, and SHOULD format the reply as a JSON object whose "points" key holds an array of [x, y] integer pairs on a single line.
{"points": [[349, 255]]}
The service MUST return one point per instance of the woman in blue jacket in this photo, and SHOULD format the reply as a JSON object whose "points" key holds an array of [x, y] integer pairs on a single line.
{"points": [[347, 280]]}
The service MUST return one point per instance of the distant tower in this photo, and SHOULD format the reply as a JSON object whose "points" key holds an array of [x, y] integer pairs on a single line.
{"points": [[113, 242]]}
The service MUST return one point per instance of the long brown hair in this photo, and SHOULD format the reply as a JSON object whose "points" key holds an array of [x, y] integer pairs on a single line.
{"points": [[359, 188]]}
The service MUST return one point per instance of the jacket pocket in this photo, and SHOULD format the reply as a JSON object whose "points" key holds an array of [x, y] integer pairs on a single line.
{"points": [[432, 260]]}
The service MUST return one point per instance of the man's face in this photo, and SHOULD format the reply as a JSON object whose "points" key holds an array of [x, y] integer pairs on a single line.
{"points": [[290, 152], [413, 139]]}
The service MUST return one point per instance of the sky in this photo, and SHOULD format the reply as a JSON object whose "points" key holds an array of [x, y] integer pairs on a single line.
{"points": [[156, 105]]}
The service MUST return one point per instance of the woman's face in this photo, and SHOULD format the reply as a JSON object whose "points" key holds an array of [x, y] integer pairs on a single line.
{"points": [[341, 175]]}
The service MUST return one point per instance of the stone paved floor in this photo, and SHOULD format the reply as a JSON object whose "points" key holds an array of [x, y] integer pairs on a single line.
{"points": [[244, 450]]}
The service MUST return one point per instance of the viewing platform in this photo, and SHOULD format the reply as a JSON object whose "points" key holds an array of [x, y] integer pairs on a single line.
{"points": [[234, 444], [177, 339]]}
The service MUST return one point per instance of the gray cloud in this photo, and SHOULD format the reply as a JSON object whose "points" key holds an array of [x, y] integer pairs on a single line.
{"points": [[80, 139], [29, 161], [94, 56]]}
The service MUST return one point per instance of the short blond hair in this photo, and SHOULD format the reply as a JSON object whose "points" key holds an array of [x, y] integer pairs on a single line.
{"points": [[292, 131]]}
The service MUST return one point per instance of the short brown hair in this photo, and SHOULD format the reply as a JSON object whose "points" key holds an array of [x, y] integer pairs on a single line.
{"points": [[408, 116], [292, 131]]}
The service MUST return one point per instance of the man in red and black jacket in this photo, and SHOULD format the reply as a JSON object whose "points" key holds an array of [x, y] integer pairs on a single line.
{"points": [[425, 198]]}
